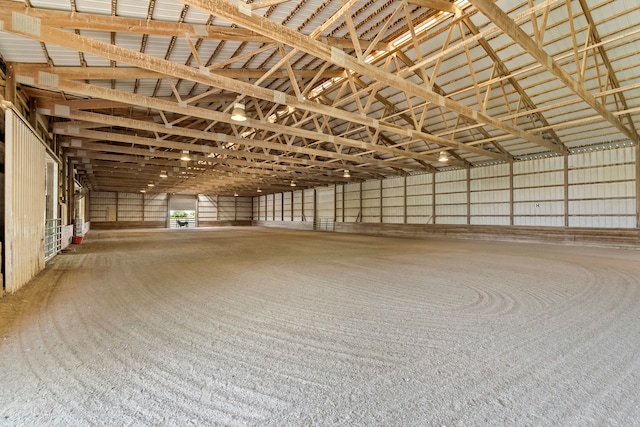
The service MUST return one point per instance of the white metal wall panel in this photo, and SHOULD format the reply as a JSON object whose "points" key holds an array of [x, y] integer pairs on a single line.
{"points": [[102, 206], [451, 197], [130, 207], [207, 208], [419, 199], [156, 207], [256, 208], [287, 203], [393, 200], [326, 202], [244, 208], [226, 208], [352, 208], [371, 201], [263, 208], [339, 204], [24, 203], [297, 205], [490, 195], [538, 195], [602, 189], [309, 204], [277, 205], [269, 213]]}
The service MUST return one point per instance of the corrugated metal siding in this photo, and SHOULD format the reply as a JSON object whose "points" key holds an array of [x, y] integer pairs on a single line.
{"points": [[602, 189], [538, 192], [451, 197], [490, 195], [326, 202], [207, 208], [24, 203]]}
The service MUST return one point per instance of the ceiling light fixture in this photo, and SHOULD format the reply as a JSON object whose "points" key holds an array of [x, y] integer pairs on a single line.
{"points": [[235, 194], [185, 156], [151, 184], [346, 174], [163, 174], [444, 157], [238, 114], [293, 183], [259, 190]]}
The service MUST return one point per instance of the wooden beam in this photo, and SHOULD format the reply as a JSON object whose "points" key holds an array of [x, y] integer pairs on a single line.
{"points": [[118, 24], [511, 28], [110, 73], [282, 34], [441, 5]]}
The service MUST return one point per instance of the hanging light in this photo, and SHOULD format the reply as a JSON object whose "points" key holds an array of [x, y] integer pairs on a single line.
{"points": [[185, 156], [346, 174], [235, 194], [444, 157], [151, 184], [238, 114], [259, 190], [163, 174], [143, 191], [293, 183]]}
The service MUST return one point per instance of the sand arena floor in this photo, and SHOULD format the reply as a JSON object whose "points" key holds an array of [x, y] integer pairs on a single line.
{"points": [[268, 327]]}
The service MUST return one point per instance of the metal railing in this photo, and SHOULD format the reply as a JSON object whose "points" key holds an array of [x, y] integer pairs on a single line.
{"points": [[52, 237]]}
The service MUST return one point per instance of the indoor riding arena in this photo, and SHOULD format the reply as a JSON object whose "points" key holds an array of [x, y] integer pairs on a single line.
{"points": [[320, 213]]}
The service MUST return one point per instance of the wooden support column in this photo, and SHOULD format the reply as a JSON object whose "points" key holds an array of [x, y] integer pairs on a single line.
{"points": [[433, 197], [468, 195], [381, 201], [282, 207], [69, 192], [404, 197], [360, 206], [10, 88], [637, 185], [510, 193], [143, 203], [304, 218], [566, 189], [335, 202]]}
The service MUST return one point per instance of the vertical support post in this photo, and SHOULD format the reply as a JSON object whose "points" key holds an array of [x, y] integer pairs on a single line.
{"points": [[637, 146], [143, 205], [468, 195], [10, 88], [344, 190], [566, 189], [217, 207], [69, 192], [235, 208], [404, 197], [511, 222], [433, 197], [380, 203], [117, 206], [360, 207], [335, 202], [282, 207]]}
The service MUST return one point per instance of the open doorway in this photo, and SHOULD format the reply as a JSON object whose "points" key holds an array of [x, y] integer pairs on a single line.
{"points": [[183, 211]]}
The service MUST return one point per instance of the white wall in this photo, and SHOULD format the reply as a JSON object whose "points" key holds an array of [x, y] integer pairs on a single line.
{"points": [[24, 203], [594, 189]]}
